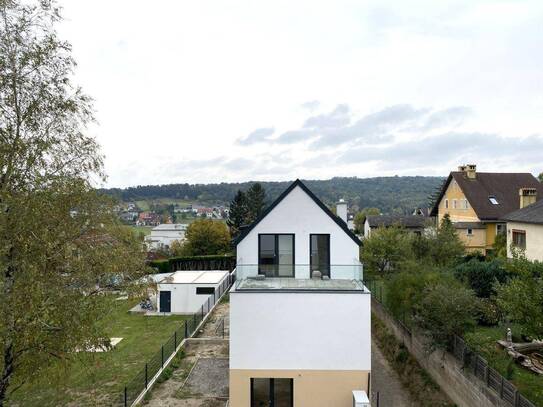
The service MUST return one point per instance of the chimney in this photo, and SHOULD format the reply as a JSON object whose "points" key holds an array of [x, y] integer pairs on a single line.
{"points": [[528, 196], [341, 210]]}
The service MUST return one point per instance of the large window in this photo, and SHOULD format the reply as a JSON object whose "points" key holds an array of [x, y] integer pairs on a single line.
{"points": [[319, 248], [276, 255], [519, 238], [272, 392]]}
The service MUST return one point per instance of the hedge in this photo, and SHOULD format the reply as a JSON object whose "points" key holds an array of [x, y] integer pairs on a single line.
{"points": [[212, 262]]}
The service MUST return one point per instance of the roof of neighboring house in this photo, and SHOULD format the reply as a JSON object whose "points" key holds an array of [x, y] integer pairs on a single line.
{"points": [[503, 186], [530, 214], [469, 225], [171, 226], [409, 221], [246, 230]]}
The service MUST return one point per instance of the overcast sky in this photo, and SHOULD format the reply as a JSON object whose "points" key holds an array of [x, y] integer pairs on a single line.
{"points": [[213, 91]]}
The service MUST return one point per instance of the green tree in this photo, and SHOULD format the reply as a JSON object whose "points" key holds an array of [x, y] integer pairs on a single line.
{"points": [[237, 216], [60, 245], [386, 250], [446, 308], [500, 246], [360, 217], [540, 177], [446, 248], [522, 297], [482, 276], [256, 201], [206, 237]]}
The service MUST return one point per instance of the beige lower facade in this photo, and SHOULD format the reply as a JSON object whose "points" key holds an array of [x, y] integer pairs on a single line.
{"points": [[312, 388], [533, 236]]}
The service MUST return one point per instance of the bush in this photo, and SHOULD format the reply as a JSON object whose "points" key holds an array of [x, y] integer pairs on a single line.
{"points": [[489, 312], [161, 266], [482, 276], [205, 237], [386, 250], [447, 308], [405, 289]]}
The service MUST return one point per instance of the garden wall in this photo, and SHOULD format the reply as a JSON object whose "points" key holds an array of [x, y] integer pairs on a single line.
{"points": [[459, 384]]}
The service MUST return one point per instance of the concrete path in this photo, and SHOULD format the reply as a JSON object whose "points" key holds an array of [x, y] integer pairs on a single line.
{"points": [[385, 381]]}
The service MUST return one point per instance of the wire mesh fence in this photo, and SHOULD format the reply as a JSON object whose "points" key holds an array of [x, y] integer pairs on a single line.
{"points": [[471, 361], [156, 363]]}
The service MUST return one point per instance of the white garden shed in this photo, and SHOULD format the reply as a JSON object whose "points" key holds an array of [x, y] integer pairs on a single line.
{"points": [[184, 292]]}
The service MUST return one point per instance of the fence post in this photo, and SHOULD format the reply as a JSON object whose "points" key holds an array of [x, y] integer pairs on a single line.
{"points": [[162, 355], [486, 374], [146, 378], [501, 388], [125, 398], [175, 341], [186, 330]]}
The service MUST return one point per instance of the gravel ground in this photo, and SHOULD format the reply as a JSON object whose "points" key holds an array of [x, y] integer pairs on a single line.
{"points": [[385, 381], [209, 377]]}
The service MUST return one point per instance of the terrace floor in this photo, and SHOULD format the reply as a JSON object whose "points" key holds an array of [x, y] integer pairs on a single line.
{"points": [[295, 284]]}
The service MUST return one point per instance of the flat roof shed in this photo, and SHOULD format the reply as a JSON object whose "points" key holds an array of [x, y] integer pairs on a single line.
{"points": [[184, 292]]}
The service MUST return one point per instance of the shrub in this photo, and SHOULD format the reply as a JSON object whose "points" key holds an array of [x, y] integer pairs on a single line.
{"points": [[386, 250], [447, 308], [482, 276], [161, 266], [489, 312], [405, 289]]}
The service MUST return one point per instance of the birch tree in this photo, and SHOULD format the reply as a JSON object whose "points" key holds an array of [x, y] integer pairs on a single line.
{"points": [[59, 242]]}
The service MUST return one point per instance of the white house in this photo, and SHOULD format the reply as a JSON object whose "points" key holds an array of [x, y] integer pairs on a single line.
{"points": [[525, 231], [163, 235], [184, 292], [300, 332]]}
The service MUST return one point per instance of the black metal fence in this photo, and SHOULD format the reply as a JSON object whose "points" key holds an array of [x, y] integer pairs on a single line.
{"points": [[188, 328], [494, 380], [471, 361]]}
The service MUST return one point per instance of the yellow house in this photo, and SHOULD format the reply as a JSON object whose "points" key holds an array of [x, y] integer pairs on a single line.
{"points": [[477, 201]]}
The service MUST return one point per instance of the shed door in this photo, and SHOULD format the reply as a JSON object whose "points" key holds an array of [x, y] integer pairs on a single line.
{"points": [[165, 301]]}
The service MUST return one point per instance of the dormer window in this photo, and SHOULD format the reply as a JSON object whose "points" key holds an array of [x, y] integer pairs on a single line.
{"points": [[493, 200]]}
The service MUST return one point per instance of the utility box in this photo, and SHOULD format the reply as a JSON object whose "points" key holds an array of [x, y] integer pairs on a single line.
{"points": [[360, 399]]}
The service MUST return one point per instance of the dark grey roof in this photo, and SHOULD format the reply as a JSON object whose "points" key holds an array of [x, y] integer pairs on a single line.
{"points": [[409, 221], [530, 214], [469, 225], [503, 186], [246, 230]]}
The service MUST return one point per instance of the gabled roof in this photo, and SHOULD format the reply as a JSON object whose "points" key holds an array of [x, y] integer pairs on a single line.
{"points": [[409, 222], [530, 214], [245, 231], [504, 187]]}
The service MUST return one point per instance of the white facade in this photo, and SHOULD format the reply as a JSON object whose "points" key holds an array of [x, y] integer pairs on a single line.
{"points": [[183, 286], [314, 330], [298, 214], [534, 239], [300, 331], [163, 235]]}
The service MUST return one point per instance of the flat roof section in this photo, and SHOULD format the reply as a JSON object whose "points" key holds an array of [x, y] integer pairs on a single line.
{"points": [[195, 277], [299, 284]]}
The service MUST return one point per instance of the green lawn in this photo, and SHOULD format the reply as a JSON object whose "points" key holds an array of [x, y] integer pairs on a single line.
{"points": [[98, 378], [483, 341]]}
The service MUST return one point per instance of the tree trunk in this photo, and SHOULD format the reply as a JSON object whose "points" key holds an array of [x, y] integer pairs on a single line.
{"points": [[7, 372]]}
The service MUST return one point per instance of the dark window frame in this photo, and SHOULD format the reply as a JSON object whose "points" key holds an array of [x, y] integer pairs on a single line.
{"points": [[272, 390], [277, 248], [518, 232], [311, 247], [206, 290]]}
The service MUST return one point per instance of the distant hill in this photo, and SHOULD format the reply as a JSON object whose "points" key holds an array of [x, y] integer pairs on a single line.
{"points": [[389, 194]]}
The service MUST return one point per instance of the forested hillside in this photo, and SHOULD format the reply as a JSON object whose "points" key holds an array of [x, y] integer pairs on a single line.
{"points": [[390, 194]]}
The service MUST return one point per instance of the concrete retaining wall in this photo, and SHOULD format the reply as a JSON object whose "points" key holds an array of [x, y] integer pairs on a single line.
{"points": [[460, 385]]}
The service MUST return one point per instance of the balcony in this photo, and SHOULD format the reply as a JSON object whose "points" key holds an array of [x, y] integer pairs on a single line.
{"points": [[299, 277]]}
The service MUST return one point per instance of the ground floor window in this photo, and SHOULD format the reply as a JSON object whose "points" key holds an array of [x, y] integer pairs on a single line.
{"points": [[519, 238], [274, 392]]}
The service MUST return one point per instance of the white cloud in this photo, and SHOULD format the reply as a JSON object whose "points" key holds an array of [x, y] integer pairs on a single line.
{"points": [[179, 85]]}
